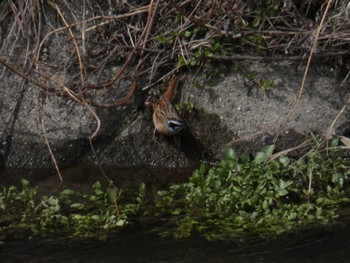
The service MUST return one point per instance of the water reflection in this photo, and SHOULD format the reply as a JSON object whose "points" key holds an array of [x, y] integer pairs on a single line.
{"points": [[140, 244]]}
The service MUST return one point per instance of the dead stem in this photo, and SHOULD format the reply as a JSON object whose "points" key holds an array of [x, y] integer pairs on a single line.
{"points": [[81, 65], [313, 49]]}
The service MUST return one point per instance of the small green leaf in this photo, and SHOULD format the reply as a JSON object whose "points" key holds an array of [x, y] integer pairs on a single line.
{"points": [[95, 217], [256, 21], [245, 157], [111, 194], [335, 142], [187, 33], [230, 154], [265, 205], [284, 184], [268, 149], [98, 192], [284, 160], [142, 188], [96, 185], [202, 169], [176, 211], [52, 200], [67, 192], [282, 192], [161, 39], [77, 205], [260, 157], [121, 222], [24, 183], [264, 154]]}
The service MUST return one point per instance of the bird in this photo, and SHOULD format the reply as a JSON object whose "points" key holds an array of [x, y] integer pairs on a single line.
{"points": [[165, 118]]}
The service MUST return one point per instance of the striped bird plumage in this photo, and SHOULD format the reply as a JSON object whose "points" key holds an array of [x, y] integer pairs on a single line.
{"points": [[165, 118]]}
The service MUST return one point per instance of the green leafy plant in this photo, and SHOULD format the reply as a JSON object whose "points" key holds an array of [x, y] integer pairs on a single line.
{"points": [[71, 213], [266, 85], [184, 106], [243, 196], [269, 8]]}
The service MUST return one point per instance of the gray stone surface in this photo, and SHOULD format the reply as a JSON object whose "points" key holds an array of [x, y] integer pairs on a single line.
{"points": [[231, 111], [255, 115]]}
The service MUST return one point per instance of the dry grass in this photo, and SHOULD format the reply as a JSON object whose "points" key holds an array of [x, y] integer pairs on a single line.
{"points": [[69, 45], [153, 40]]}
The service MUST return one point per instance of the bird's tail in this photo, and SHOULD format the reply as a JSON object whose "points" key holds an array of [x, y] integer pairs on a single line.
{"points": [[169, 94]]}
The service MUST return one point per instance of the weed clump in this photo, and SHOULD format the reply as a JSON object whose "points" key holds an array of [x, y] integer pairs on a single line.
{"points": [[260, 196]]}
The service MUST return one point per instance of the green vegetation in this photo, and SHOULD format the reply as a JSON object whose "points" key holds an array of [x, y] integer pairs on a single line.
{"points": [[266, 85], [71, 213], [184, 106], [242, 197]]}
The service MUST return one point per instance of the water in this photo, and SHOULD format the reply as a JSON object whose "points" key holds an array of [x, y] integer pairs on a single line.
{"points": [[142, 244]]}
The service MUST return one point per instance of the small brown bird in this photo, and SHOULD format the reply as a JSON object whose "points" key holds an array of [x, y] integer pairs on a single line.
{"points": [[165, 118]]}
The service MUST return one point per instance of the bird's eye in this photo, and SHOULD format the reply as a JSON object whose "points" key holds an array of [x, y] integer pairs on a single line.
{"points": [[175, 125]]}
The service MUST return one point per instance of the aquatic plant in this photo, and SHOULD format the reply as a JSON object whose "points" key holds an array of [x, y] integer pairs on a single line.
{"points": [[260, 196], [240, 197], [69, 214]]}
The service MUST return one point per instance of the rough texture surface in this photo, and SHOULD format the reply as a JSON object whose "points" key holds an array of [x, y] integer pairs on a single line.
{"points": [[258, 117], [244, 105], [228, 112]]}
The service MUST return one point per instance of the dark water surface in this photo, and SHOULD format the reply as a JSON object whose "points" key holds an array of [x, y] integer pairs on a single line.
{"points": [[140, 244], [144, 244]]}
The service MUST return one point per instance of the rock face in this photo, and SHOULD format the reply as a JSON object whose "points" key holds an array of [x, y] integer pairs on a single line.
{"points": [[258, 113], [244, 106], [232, 112]]}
